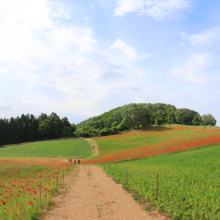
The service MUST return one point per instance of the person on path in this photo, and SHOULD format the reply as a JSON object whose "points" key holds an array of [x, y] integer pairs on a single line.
{"points": [[74, 162], [70, 161], [78, 162]]}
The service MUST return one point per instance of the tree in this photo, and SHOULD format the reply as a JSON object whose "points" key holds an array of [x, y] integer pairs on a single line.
{"points": [[135, 115], [197, 120], [65, 122], [170, 118], [42, 117], [30, 128], [208, 119], [73, 127], [67, 132], [45, 128], [185, 116], [105, 131], [86, 131]]}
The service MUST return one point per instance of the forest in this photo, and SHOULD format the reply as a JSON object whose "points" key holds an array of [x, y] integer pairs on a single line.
{"points": [[28, 128]]}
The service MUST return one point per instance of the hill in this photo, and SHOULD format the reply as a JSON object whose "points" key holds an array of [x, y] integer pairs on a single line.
{"points": [[134, 116]]}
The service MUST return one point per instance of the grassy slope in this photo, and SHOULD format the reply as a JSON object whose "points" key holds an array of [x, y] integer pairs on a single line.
{"points": [[184, 178], [156, 140], [65, 148], [189, 181]]}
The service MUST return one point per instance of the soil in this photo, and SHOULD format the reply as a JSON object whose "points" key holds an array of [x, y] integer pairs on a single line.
{"points": [[92, 195]]}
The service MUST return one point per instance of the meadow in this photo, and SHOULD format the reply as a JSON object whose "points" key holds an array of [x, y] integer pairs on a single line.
{"points": [[151, 142], [25, 185], [189, 182], [78, 148]]}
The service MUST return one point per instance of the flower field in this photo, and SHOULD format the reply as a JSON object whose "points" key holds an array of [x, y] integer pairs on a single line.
{"points": [[160, 140], [188, 182], [23, 182]]}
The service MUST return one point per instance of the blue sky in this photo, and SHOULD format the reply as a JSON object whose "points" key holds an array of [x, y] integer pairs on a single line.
{"points": [[82, 58]]}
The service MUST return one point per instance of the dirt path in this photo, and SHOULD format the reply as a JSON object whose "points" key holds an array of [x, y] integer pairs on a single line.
{"points": [[93, 143], [92, 196]]}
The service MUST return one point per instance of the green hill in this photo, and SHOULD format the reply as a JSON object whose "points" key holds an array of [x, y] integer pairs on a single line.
{"points": [[134, 116]]}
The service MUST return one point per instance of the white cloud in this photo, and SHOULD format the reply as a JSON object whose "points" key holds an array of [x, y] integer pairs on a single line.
{"points": [[124, 49], [61, 12], [195, 69], [204, 38], [47, 65], [34, 13], [158, 9]]}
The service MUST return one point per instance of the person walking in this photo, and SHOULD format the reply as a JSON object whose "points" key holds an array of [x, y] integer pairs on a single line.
{"points": [[78, 162]]}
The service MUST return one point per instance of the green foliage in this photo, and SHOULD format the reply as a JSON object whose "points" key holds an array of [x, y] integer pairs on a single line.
{"points": [[65, 122], [105, 131], [73, 127], [65, 148], [185, 116], [29, 128], [134, 116], [67, 132], [188, 182], [208, 119], [197, 120], [87, 131]]}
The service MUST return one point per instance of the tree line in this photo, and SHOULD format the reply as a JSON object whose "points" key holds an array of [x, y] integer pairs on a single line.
{"points": [[30, 128], [134, 116]]}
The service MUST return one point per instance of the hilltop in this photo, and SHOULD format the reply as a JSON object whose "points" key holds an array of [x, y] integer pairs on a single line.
{"points": [[135, 116]]}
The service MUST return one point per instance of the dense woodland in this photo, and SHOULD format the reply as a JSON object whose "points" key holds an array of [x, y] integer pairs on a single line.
{"points": [[133, 116], [30, 128]]}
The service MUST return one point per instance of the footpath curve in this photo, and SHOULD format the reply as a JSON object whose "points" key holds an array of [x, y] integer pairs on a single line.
{"points": [[92, 143]]}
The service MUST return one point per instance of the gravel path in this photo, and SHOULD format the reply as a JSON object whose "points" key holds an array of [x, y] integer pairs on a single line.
{"points": [[94, 195]]}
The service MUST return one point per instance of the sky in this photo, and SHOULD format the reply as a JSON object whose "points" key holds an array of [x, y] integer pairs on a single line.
{"points": [[83, 58]]}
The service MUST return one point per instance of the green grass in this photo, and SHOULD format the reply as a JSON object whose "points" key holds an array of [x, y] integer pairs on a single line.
{"points": [[189, 182], [65, 148], [134, 144]]}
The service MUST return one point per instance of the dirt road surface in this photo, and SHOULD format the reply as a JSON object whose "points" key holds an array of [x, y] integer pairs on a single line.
{"points": [[93, 195]]}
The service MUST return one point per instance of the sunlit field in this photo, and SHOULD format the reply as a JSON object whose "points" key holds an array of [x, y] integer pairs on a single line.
{"points": [[151, 142], [78, 148], [189, 182]]}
